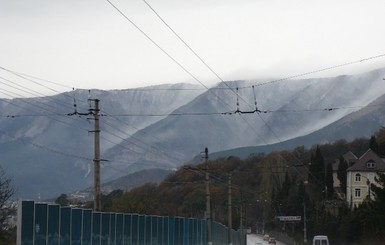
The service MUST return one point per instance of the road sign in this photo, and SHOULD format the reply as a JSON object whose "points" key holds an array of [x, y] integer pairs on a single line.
{"points": [[289, 218]]}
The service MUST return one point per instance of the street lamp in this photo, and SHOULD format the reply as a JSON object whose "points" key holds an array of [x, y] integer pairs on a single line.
{"points": [[304, 214]]}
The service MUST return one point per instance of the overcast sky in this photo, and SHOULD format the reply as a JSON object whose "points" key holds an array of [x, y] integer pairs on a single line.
{"points": [[89, 44]]}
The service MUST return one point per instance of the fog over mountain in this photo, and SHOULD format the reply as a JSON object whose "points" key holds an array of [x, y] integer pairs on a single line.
{"points": [[165, 126]]}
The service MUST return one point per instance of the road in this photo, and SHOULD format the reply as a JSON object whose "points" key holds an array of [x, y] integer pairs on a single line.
{"points": [[253, 239]]}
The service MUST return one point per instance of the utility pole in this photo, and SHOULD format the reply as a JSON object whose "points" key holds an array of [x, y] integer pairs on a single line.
{"points": [[241, 222], [304, 224], [208, 208], [95, 112], [96, 131], [229, 235]]}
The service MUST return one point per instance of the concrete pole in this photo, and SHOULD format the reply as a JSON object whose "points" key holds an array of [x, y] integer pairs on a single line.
{"points": [[97, 195], [229, 235], [208, 208]]}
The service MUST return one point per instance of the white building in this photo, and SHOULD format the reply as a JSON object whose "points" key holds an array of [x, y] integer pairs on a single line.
{"points": [[360, 175]]}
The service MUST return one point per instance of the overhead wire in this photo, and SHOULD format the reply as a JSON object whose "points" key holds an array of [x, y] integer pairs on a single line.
{"points": [[50, 114], [225, 83], [236, 92], [207, 66], [172, 58], [45, 148]]}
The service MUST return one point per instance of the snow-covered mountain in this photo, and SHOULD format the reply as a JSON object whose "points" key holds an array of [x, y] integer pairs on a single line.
{"points": [[165, 126], [293, 108], [47, 152]]}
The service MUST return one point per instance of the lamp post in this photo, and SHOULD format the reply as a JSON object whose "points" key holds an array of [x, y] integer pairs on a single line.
{"points": [[304, 214]]}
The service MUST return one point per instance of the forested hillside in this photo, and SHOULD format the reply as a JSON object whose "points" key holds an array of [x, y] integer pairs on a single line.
{"points": [[263, 187]]}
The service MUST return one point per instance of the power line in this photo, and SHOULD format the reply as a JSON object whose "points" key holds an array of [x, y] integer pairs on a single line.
{"points": [[45, 148], [326, 109], [156, 44], [24, 76], [163, 50], [322, 69]]}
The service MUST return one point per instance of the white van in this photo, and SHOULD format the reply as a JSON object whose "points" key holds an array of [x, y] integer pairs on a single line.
{"points": [[320, 240]]}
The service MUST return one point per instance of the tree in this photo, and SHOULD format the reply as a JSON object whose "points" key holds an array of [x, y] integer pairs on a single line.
{"points": [[6, 193], [341, 173], [317, 167], [373, 144], [381, 141], [329, 180], [62, 200]]}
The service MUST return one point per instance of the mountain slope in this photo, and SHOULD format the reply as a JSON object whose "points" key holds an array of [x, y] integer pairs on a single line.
{"points": [[294, 109], [360, 124], [48, 153]]}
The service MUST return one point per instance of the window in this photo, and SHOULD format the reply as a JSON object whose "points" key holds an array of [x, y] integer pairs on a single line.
{"points": [[358, 178], [371, 164], [357, 192]]}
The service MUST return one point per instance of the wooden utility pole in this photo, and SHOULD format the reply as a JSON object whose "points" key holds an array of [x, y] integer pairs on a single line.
{"points": [[97, 195], [208, 208], [229, 235]]}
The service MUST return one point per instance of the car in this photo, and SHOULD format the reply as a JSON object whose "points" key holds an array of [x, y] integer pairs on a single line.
{"points": [[272, 240], [320, 240]]}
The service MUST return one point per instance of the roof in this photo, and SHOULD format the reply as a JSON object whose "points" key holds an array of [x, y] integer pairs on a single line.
{"points": [[369, 156], [349, 157]]}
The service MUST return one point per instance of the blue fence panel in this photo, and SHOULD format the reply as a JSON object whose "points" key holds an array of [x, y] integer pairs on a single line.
{"points": [[192, 225], [142, 229], [44, 224], [159, 225], [186, 233], [166, 231], [135, 229], [53, 225], [96, 228], [147, 233], [127, 230], [105, 234], [87, 227], [154, 230], [76, 226], [112, 229], [119, 229], [41, 214], [171, 230], [26, 213], [179, 230], [65, 226]]}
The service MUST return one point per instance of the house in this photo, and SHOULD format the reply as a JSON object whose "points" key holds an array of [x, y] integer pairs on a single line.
{"points": [[360, 175]]}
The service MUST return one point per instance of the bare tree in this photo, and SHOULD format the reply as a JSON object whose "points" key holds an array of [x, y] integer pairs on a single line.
{"points": [[6, 209]]}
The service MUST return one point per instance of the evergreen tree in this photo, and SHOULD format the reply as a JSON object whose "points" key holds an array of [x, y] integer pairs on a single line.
{"points": [[381, 142], [286, 186], [341, 173], [317, 167], [373, 144], [329, 180]]}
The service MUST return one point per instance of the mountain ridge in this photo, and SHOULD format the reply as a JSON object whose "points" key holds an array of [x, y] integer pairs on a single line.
{"points": [[49, 153]]}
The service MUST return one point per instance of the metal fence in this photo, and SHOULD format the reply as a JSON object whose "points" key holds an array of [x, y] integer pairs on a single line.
{"points": [[50, 224]]}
